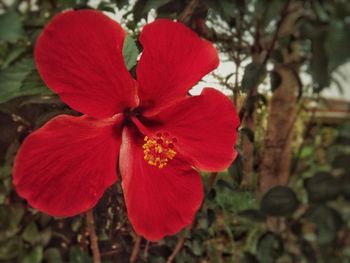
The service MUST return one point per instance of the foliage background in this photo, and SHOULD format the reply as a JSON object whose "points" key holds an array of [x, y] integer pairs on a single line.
{"points": [[293, 208]]}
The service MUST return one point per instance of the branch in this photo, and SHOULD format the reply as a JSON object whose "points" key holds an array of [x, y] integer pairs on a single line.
{"points": [[188, 11], [275, 36], [253, 91], [146, 250], [136, 249], [93, 237], [212, 179], [178, 248]]}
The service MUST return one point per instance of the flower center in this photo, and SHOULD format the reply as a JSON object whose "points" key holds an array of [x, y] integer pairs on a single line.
{"points": [[159, 150]]}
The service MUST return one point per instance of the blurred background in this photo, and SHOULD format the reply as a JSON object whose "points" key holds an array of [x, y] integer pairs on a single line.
{"points": [[284, 64]]}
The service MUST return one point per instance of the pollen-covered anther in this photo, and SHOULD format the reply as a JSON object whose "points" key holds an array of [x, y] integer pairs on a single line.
{"points": [[159, 150]]}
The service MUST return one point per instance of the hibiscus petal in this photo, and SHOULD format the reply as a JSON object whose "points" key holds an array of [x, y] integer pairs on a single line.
{"points": [[159, 201], [205, 127], [79, 56], [64, 167], [173, 60]]}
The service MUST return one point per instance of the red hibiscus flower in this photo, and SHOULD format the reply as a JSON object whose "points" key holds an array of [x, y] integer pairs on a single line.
{"points": [[150, 126]]}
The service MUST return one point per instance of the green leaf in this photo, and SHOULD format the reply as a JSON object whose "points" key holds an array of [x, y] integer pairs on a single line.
{"points": [[249, 258], [10, 248], [236, 170], [322, 187], [76, 224], [8, 134], [267, 11], [11, 26], [31, 233], [276, 56], [203, 223], [212, 194], [172, 9], [45, 236], [121, 3], [342, 162], [142, 7], [34, 256], [319, 64], [21, 79], [256, 101], [279, 201], [53, 255], [225, 8], [130, 52], [270, 247], [337, 44], [44, 220], [236, 201], [252, 214], [211, 216], [104, 6], [253, 75], [78, 256], [327, 222], [196, 248], [13, 55], [10, 217], [345, 186], [275, 80], [223, 184]]}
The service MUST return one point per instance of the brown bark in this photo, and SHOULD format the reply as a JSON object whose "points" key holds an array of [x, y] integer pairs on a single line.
{"points": [[248, 120], [276, 159]]}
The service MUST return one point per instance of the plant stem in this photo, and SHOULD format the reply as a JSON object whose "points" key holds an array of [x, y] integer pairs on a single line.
{"points": [[146, 250], [188, 11], [93, 237], [136, 249], [212, 179], [177, 249]]}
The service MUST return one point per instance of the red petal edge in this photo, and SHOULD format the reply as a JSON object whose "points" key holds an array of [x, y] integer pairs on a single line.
{"points": [[205, 127], [79, 56], [63, 168], [173, 60], [160, 202]]}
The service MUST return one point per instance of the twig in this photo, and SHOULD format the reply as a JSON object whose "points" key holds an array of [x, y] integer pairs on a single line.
{"points": [[212, 179], [136, 249], [238, 59], [275, 36], [178, 248], [236, 88], [112, 252], [188, 11], [90, 222], [19, 119], [146, 250], [253, 91]]}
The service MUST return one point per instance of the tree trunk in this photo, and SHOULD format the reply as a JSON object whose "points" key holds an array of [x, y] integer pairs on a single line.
{"points": [[276, 159]]}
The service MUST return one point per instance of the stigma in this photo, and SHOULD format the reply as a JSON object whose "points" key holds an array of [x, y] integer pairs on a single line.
{"points": [[159, 150]]}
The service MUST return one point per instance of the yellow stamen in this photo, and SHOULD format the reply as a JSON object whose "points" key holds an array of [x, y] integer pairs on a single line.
{"points": [[159, 150]]}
